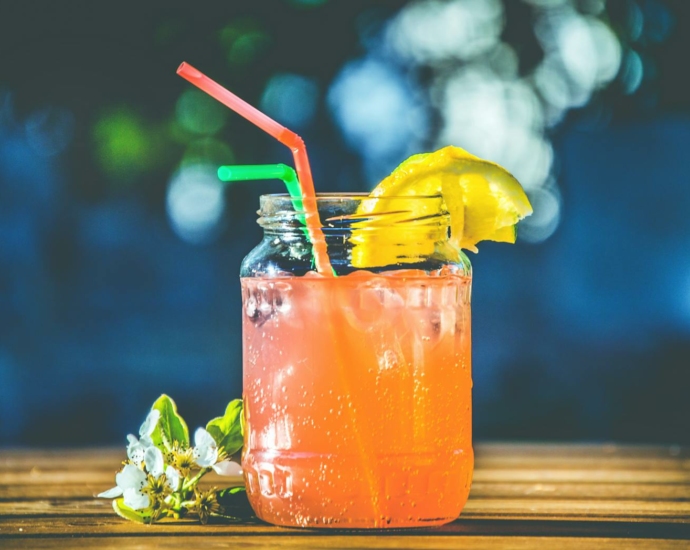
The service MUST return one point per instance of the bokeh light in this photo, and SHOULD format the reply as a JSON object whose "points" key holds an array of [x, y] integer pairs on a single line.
{"points": [[485, 101], [50, 130], [632, 73], [547, 214], [208, 150], [658, 21], [498, 119], [291, 99], [123, 144], [198, 113], [195, 203], [581, 54], [380, 113], [433, 31], [244, 40]]}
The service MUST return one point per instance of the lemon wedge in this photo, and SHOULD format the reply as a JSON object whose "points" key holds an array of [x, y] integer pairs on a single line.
{"points": [[484, 202]]}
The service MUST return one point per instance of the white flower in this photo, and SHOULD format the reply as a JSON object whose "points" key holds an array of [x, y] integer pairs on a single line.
{"points": [[172, 477], [205, 448], [137, 447], [149, 423], [228, 468], [206, 454], [130, 482], [153, 457], [135, 450]]}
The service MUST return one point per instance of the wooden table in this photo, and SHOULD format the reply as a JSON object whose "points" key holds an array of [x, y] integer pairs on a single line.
{"points": [[523, 496]]}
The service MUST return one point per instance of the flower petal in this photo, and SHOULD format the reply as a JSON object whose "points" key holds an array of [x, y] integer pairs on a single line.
{"points": [[111, 493], [130, 477], [150, 423], [172, 476], [136, 500], [135, 450], [153, 457], [228, 468], [203, 439], [206, 449]]}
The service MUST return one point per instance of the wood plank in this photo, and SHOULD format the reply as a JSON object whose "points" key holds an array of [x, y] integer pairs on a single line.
{"points": [[523, 455], [584, 463], [590, 491], [481, 474], [579, 450], [476, 508], [547, 475], [114, 526], [349, 542], [519, 491], [77, 491], [105, 458], [107, 479], [541, 491]]}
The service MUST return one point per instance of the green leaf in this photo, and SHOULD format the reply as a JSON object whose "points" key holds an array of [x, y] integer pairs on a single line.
{"points": [[227, 429], [243, 420], [171, 427], [234, 504], [124, 511]]}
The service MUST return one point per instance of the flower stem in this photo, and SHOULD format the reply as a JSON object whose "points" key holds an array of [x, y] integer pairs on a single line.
{"points": [[189, 484]]}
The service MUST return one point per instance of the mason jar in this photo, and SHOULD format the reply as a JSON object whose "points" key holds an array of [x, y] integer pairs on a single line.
{"points": [[357, 382]]}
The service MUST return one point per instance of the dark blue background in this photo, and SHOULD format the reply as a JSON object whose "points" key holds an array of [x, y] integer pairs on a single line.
{"points": [[585, 335]]}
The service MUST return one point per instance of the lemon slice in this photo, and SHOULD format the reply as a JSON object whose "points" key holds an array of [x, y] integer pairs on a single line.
{"points": [[483, 199]]}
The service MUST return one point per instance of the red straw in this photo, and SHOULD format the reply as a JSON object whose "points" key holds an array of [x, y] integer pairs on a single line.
{"points": [[284, 136]]}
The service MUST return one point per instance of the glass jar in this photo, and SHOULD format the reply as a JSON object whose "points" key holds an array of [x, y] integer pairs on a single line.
{"points": [[357, 384]]}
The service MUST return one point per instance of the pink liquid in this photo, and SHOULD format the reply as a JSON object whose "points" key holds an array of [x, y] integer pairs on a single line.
{"points": [[358, 398]]}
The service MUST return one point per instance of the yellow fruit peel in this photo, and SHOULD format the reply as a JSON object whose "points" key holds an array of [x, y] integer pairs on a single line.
{"points": [[484, 202]]}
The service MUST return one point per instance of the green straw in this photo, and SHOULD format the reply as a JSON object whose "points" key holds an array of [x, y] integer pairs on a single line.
{"points": [[249, 172], [268, 172]]}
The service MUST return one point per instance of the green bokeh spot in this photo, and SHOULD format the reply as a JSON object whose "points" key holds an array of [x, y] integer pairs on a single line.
{"points": [[199, 113], [244, 40], [208, 151], [123, 144], [247, 48]]}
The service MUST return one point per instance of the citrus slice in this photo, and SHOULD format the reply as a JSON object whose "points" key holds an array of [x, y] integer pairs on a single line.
{"points": [[483, 199]]}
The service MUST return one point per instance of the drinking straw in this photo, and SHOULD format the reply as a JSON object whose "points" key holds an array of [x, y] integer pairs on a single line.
{"points": [[267, 172], [287, 138]]}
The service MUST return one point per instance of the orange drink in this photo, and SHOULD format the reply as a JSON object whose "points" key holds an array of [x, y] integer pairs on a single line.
{"points": [[357, 387]]}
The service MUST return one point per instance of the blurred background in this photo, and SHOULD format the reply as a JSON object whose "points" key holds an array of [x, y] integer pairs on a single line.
{"points": [[120, 250]]}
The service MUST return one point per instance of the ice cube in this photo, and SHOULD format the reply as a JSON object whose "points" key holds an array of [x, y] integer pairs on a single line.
{"points": [[417, 296], [282, 297], [265, 299], [431, 310], [372, 303]]}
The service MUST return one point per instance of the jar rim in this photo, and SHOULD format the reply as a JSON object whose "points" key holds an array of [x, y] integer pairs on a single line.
{"points": [[341, 213], [351, 195]]}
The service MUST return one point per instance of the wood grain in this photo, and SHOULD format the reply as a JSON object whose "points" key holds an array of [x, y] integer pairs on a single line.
{"points": [[411, 542], [523, 496]]}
